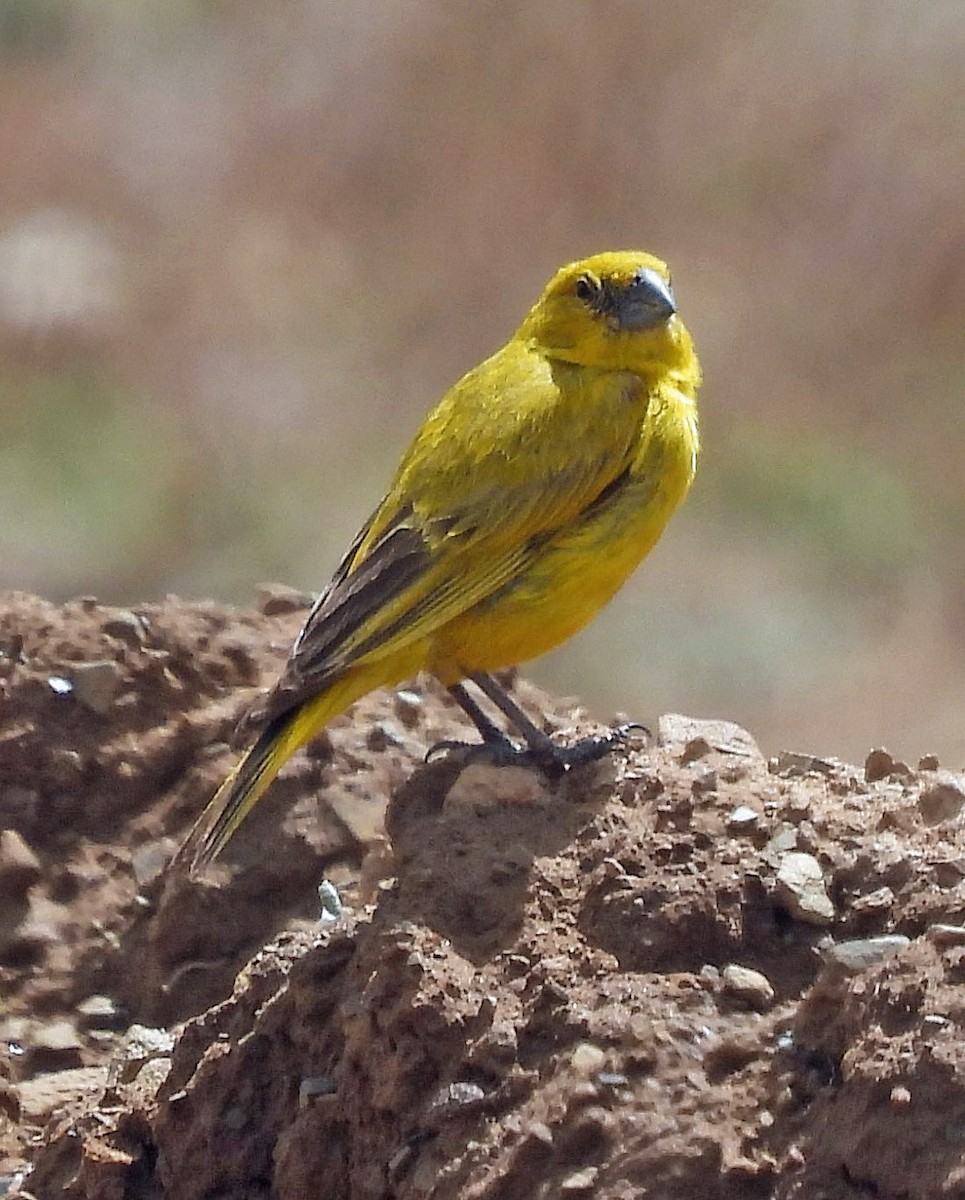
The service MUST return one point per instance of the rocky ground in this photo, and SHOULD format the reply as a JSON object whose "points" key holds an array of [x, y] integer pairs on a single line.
{"points": [[688, 971]]}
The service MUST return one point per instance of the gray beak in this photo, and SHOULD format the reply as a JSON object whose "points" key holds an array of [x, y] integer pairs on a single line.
{"points": [[647, 302]]}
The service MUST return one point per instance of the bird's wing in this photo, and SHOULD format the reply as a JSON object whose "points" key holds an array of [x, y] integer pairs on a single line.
{"points": [[473, 501]]}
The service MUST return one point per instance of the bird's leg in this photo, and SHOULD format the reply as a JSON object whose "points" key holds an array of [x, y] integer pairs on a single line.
{"points": [[539, 742], [498, 747], [542, 749], [539, 746], [490, 731]]}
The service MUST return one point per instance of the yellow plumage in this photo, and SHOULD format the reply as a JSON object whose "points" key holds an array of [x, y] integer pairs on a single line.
{"points": [[528, 496]]}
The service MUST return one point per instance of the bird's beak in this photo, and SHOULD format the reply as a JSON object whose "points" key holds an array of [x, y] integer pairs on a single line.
{"points": [[647, 301]]}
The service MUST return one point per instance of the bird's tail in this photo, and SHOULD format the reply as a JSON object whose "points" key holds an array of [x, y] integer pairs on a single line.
{"points": [[249, 780]]}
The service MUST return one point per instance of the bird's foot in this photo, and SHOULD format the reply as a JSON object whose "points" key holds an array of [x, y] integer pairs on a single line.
{"points": [[555, 759], [498, 751], [549, 757]]}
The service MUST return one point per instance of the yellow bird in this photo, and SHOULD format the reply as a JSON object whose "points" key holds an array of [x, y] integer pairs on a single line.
{"points": [[528, 496]]}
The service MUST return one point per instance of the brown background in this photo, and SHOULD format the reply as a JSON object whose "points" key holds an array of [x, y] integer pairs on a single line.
{"points": [[245, 246]]}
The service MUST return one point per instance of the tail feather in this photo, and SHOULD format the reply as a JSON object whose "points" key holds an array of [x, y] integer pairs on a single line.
{"points": [[236, 797], [276, 743]]}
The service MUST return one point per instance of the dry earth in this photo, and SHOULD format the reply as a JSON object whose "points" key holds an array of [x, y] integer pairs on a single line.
{"points": [[689, 971]]}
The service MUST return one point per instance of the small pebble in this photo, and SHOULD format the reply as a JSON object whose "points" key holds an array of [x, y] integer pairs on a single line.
{"points": [[126, 626], [149, 861], [801, 888], [880, 765], [587, 1059], [541, 1132], [142, 1042], [277, 599], [859, 954], [99, 1012], [943, 799], [695, 749], [96, 685], [750, 986], [640, 1026], [330, 900], [580, 1181], [742, 819], [408, 707], [798, 807], [790, 763], [383, 734], [780, 843], [457, 1094], [877, 901], [705, 782]]}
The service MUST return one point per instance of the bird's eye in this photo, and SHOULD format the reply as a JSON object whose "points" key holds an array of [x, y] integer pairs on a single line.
{"points": [[586, 288]]}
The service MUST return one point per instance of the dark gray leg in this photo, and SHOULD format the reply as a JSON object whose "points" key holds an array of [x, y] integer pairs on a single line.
{"points": [[542, 749]]}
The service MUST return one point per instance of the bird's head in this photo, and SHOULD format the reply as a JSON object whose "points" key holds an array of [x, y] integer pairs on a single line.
{"points": [[615, 311]]}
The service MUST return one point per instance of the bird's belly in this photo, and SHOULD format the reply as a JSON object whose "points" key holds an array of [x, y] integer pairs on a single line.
{"points": [[577, 573]]}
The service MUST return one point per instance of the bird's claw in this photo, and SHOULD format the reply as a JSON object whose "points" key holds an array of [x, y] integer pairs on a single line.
{"points": [[552, 759], [499, 753]]}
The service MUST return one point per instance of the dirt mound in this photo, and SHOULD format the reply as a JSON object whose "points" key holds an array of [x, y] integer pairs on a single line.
{"points": [[685, 971]]}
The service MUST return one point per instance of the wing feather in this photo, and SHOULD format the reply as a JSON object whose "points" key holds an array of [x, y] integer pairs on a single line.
{"points": [[459, 522]]}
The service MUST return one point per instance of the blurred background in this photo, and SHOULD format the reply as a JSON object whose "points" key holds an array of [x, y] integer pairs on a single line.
{"points": [[244, 247]]}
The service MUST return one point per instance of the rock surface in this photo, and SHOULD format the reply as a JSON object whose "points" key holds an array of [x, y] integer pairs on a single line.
{"points": [[603, 986]]}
